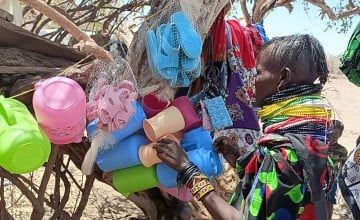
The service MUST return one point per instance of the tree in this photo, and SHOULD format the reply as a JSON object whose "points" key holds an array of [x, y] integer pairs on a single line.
{"points": [[108, 17]]}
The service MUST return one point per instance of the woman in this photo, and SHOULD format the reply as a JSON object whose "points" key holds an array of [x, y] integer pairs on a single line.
{"points": [[288, 168]]}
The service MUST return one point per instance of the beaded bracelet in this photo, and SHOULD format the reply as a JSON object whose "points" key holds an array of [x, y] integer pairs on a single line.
{"points": [[205, 190], [199, 185]]}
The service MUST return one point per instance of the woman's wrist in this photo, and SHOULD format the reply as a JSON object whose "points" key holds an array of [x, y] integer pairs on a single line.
{"points": [[190, 176]]}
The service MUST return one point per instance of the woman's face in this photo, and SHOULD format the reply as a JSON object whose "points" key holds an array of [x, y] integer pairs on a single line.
{"points": [[268, 76]]}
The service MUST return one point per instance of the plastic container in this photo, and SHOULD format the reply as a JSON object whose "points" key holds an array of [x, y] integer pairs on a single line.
{"points": [[135, 179], [165, 122], [122, 155], [24, 147], [196, 139], [60, 108], [186, 108], [207, 161]]}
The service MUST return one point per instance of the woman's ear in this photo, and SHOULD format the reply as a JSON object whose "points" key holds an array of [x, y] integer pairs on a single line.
{"points": [[285, 76]]}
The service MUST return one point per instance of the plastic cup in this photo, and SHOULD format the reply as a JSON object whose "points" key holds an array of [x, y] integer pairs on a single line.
{"points": [[148, 155], [135, 179], [165, 122], [186, 108], [152, 105]]}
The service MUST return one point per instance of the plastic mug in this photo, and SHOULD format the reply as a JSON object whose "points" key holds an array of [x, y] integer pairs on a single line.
{"points": [[181, 193], [148, 155], [187, 109], [167, 121], [122, 155], [135, 179], [152, 105], [60, 108], [24, 147], [195, 139], [132, 126]]}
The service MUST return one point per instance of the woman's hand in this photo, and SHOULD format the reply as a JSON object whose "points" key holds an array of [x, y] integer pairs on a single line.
{"points": [[171, 153], [228, 148]]}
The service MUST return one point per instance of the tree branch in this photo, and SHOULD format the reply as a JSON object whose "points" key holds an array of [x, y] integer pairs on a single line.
{"points": [[245, 12], [86, 43], [352, 10]]}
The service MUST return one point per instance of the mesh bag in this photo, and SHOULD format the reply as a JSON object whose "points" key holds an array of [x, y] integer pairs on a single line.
{"points": [[111, 87], [173, 47]]}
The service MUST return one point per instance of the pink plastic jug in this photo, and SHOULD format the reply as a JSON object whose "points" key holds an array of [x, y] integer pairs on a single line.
{"points": [[60, 108]]}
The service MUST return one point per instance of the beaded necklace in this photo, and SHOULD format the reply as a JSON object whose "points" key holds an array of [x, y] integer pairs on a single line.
{"points": [[293, 90], [304, 111]]}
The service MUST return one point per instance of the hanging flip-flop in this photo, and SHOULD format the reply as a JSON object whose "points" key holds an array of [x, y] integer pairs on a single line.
{"points": [[188, 64], [151, 44], [189, 39], [168, 52]]}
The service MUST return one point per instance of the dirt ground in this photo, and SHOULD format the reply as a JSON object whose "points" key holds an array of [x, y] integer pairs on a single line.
{"points": [[106, 203]]}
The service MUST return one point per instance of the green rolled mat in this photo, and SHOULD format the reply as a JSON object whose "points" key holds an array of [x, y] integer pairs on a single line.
{"points": [[135, 179]]}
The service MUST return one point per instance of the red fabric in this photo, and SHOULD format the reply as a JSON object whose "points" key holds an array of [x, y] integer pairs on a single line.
{"points": [[217, 31], [242, 44], [256, 39], [308, 213]]}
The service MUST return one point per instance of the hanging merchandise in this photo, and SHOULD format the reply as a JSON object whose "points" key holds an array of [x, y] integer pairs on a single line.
{"points": [[240, 87], [261, 30], [256, 40], [165, 122], [241, 43], [174, 50], [24, 147], [192, 120], [112, 105], [212, 94], [152, 104], [112, 109], [135, 179], [60, 108], [217, 31]]}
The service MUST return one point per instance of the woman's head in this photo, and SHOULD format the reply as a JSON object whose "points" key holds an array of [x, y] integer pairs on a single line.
{"points": [[294, 59]]}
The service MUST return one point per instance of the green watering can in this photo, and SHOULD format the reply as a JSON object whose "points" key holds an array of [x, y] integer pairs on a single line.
{"points": [[23, 146]]}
